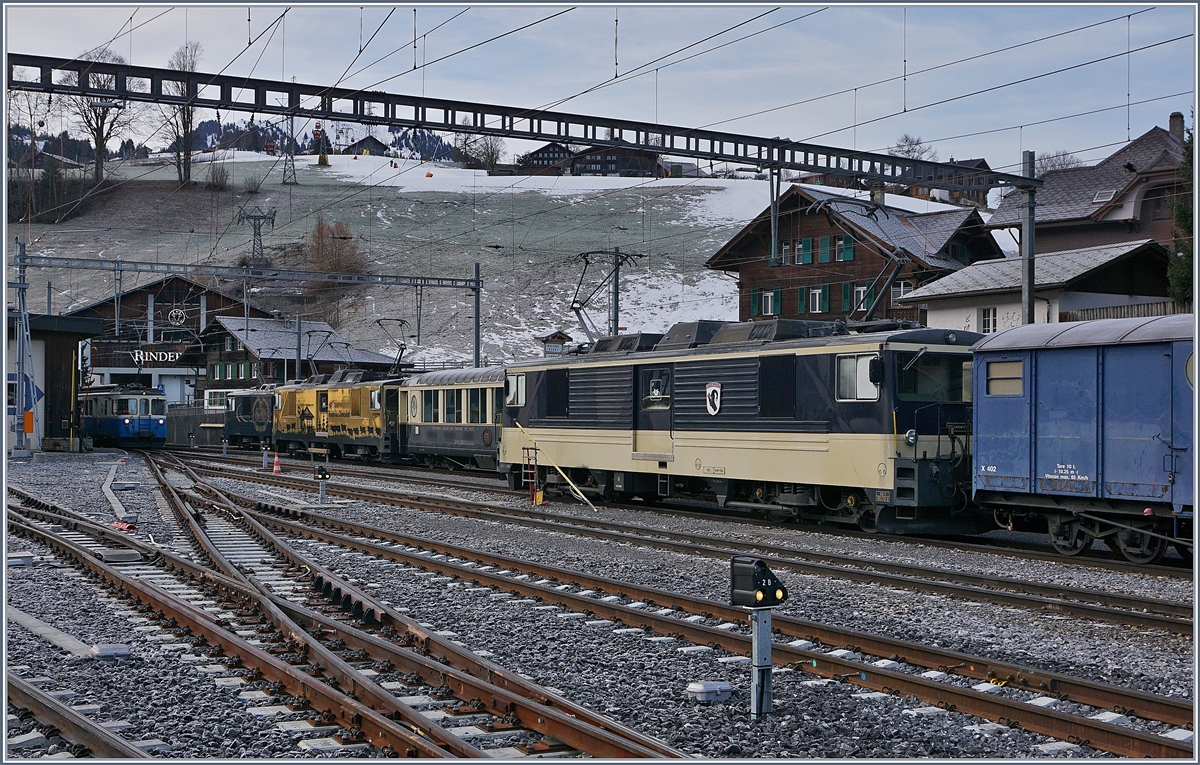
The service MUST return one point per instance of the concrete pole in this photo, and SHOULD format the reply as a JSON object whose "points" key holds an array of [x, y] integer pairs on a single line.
{"points": [[149, 317], [760, 650], [478, 319], [1028, 221], [614, 319], [49, 299], [298, 346]]}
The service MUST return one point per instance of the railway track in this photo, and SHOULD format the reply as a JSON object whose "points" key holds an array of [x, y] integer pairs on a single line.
{"points": [[1139, 611], [585, 593], [87, 738], [272, 588], [1094, 559]]}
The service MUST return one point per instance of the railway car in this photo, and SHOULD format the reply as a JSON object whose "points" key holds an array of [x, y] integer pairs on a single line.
{"points": [[347, 413], [249, 417], [786, 418], [1088, 426], [452, 418], [123, 415]]}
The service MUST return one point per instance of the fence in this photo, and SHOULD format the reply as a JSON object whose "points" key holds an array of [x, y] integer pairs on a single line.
{"points": [[1166, 308]]}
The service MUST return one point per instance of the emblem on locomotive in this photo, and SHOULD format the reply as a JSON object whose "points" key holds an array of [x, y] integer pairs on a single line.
{"points": [[712, 397], [260, 414]]}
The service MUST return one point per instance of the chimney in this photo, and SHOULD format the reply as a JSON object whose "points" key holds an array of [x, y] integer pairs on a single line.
{"points": [[1176, 125]]}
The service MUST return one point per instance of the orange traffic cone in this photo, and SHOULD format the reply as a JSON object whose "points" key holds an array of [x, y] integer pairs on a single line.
{"points": [[277, 470]]}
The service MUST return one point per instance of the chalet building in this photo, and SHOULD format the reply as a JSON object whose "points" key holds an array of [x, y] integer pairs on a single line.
{"points": [[625, 161], [962, 198], [834, 246], [160, 324], [1130, 277], [368, 145], [552, 159], [238, 353], [54, 375], [1124, 198]]}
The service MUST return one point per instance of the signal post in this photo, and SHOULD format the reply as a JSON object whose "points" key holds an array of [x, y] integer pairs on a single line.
{"points": [[754, 586]]}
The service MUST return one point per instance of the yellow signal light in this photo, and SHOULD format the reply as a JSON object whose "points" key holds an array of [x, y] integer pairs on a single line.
{"points": [[779, 595], [758, 595]]}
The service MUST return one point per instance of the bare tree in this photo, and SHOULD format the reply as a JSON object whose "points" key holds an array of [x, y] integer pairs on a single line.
{"points": [[912, 147], [101, 118], [1060, 159], [181, 119], [490, 150]]}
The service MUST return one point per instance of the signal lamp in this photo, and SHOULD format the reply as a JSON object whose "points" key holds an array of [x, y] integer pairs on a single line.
{"points": [[753, 585]]}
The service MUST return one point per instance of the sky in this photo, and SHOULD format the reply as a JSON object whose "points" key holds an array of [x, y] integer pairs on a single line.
{"points": [[832, 58]]}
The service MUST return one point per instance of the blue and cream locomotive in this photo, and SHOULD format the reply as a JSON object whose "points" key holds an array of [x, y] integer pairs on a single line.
{"points": [[123, 415]]}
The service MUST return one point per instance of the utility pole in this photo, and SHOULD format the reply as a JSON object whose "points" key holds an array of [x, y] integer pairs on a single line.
{"points": [[22, 326], [298, 346], [614, 319], [289, 156], [257, 218], [1028, 221], [774, 180], [478, 321]]}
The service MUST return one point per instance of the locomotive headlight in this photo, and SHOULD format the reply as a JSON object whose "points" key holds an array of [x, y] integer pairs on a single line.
{"points": [[951, 338], [126, 420], [162, 422], [910, 437]]}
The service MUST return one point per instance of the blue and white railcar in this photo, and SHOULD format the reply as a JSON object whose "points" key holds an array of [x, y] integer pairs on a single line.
{"points": [[1089, 425], [123, 415]]}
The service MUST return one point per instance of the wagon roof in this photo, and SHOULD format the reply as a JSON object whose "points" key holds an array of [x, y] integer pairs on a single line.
{"points": [[1074, 334], [457, 376]]}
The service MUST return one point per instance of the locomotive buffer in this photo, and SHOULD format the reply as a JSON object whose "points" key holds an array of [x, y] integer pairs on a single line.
{"points": [[752, 585]]}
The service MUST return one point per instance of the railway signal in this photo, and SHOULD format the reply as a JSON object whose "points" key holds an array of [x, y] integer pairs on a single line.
{"points": [[753, 585], [321, 473]]}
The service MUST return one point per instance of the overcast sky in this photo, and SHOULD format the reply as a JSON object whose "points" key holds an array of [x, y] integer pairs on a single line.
{"points": [[819, 50]]}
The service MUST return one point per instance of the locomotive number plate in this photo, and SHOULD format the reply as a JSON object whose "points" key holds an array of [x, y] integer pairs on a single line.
{"points": [[883, 496]]}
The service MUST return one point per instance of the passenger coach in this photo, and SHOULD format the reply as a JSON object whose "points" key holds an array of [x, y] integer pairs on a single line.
{"points": [[784, 417], [123, 415]]}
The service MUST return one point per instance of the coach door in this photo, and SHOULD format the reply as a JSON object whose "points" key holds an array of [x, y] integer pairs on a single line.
{"points": [[653, 403]]}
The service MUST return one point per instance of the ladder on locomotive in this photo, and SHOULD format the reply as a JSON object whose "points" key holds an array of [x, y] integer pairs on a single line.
{"points": [[529, 470]]}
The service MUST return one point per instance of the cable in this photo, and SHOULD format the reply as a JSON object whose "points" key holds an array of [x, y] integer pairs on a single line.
{"points": [[920, 71]]}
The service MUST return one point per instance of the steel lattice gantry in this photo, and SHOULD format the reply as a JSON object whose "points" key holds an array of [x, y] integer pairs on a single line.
{"points": [[231, 93]]}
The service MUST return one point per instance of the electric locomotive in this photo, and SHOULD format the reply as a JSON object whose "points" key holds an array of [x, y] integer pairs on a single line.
{"points": [[1086, 427], [123, 415], [347, 413], [785, 418], [249, 417]]}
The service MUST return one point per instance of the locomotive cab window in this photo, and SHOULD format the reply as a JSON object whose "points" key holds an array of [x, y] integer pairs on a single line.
{"points": [[375, 398], [323, 401], [854, 378], [929, 377], [143, 406], [1005, 378], [514, 390], [558, 385], [656, 390]]}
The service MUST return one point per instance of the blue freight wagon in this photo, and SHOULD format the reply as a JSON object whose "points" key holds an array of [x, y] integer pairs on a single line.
{"points": [[1089, 426]]}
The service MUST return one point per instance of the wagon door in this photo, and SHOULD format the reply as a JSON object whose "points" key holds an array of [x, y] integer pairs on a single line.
{"points": [[1182, 426], [1002, 396], [1137, 422], [652, 439], [1065, 462]]}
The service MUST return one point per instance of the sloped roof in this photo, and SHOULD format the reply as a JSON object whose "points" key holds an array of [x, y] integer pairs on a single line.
{"points": [[1068, 194], [1056, 269], [162, 280], [920, 236], [276, 339], [1151, 329]]}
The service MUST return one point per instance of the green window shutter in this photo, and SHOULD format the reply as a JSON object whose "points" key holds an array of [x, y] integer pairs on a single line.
{"points": [[754, 293], [848, 247], [823, 256], [778, 301], [806, 251], [824, 298], [802, 300], [847, 296], [870, 297]]}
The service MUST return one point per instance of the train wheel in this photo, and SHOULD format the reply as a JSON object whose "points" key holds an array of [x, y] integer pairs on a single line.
{"points": [[1138, 547], [867, 521], [1070, 537]]}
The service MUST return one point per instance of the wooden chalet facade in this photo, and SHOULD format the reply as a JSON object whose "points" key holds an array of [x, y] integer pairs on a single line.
{"points": [[552, 159], [368, 145], [832, 255]]}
